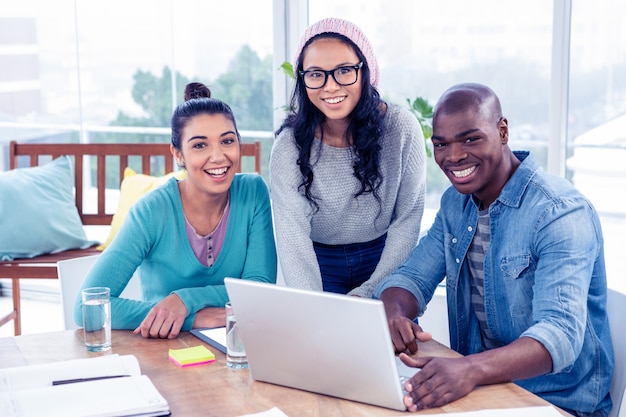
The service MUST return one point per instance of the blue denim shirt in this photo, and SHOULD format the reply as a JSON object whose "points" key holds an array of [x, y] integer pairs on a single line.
{"points": [[544, 278]]}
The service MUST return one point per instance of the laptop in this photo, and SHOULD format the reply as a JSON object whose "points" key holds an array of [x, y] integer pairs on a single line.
{"points": [[326, 343]]}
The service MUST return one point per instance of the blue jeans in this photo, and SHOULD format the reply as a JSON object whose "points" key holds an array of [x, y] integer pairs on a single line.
{"points": [[598, 413], [345, 267]]}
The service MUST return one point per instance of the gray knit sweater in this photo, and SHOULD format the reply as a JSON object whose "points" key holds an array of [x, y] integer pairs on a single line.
{"points": [[342, 218]]}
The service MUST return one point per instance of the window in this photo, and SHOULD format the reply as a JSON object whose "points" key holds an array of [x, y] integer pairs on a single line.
{"points": [[89, 70], [424, 47], [597, 119], [85, 70]]}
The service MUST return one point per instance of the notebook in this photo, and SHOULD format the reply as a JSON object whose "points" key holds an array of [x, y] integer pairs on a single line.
{"points": [[322, 342], [102, 386]]}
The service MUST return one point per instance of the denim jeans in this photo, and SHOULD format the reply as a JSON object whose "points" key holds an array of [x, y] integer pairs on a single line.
{"points": [[345, 267], [598, 413]]}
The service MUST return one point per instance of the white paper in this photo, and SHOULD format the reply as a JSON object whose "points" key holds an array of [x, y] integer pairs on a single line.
{"points": [[107, 397], [27, 391], [272, 412], [218, 334], [36, 376]]}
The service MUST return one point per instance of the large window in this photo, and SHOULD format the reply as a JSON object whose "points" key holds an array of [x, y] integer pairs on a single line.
{"points": [[424, 47], [85, 70], [92, 70], [597, 119]]}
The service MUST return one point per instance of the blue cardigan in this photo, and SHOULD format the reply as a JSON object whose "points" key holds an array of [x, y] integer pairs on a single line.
{"points": [[153, 239]]}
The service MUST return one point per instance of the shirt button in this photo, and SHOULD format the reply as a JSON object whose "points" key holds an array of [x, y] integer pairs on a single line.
{"points": [[457, 260], [470, 228], [453, 240]]}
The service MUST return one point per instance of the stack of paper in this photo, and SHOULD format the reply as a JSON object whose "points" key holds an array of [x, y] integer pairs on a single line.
{"points": [[191, 356], [106, 386]]}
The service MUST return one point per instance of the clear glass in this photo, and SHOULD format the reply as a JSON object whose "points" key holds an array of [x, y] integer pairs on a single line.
{"points": [[235, 353], [597, 120], [96, 304]]}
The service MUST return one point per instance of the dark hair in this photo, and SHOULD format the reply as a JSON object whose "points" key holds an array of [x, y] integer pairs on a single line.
{"points": [[364, 130], [197, 101], [196, 90]]}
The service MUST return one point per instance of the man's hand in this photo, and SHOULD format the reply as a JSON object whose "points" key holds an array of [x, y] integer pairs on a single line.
{"points": [[440, 381], [405, 334], [400, 304], [165, 319], [210, 317]]}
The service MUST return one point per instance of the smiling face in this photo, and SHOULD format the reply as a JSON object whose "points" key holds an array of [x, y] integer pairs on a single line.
{"points": [[210, 153], [336, 102], [470, 146]]}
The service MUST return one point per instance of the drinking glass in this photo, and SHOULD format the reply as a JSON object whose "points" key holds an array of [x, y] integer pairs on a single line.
{"points": [[97, 318], [235, 353]]}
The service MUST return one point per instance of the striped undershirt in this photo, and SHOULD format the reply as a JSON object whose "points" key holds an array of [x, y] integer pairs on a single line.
{"points": [[476, 256]]}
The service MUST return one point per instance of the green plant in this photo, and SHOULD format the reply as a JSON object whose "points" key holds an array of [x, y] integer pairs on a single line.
{"points": [[287, 68], [423, 111]]}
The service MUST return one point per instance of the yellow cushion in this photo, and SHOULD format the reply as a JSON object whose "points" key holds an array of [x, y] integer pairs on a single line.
{"points": [[133, 187]]}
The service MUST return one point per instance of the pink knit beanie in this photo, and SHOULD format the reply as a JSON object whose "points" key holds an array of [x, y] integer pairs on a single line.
{"points": [[350, 31]]}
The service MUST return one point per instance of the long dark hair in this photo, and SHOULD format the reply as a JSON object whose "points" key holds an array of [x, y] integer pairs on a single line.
{"points": [[197, 101], [364, 130]]}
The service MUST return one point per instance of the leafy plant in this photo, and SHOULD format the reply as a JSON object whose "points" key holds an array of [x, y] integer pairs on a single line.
{"points": [[287, 68], [423, 111]]}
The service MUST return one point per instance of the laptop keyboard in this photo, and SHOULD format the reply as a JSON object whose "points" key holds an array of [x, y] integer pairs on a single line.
{"points": [[405, 372], [403, 380]]}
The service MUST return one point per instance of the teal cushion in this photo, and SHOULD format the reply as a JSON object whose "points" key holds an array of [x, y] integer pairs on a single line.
{"points": [[38, 214]]}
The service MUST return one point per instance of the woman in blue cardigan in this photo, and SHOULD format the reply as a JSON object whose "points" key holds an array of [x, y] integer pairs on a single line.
{"points": [[185, 237]]}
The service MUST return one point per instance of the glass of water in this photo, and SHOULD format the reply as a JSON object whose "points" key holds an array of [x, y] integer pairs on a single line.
{"points": [[235, 354], [97, 318]]}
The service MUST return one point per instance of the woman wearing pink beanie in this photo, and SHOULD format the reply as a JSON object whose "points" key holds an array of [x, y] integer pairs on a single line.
{"points": [[347, 169]]}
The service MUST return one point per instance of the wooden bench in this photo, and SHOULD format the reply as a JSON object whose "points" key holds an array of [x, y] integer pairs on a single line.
{"points": [[34, 154]]}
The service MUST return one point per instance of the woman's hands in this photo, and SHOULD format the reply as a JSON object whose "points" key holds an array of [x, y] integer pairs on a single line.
{"points": [[165, 319], [210, 317]]}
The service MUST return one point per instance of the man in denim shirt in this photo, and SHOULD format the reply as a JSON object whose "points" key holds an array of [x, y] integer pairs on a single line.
{"points": [[522, 254]]}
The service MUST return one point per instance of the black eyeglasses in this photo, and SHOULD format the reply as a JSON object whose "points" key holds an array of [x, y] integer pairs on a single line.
{"points": [[343, 76]]}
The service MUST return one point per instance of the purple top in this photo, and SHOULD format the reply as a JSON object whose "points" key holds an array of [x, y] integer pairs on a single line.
{"points": [[207, 248]]}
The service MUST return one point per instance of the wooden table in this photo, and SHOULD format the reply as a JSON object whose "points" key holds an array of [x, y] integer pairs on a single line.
{"points": [[215, 390]]}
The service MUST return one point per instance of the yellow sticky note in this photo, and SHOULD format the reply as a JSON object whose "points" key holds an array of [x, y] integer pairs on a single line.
{"points": [[196, 355]]}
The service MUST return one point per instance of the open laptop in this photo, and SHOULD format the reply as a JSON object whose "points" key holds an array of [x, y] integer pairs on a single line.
{"points": [[326, 343]]}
